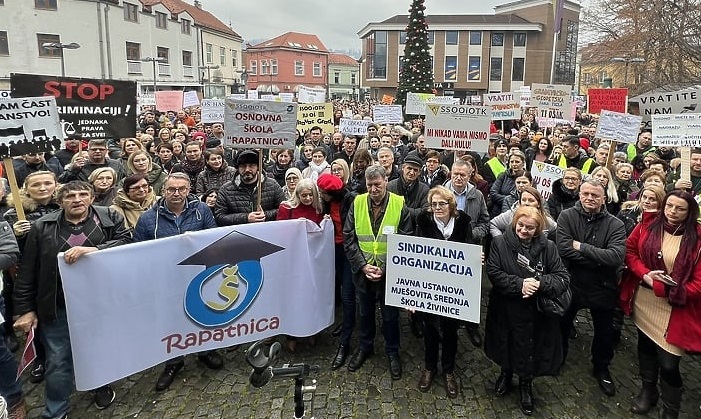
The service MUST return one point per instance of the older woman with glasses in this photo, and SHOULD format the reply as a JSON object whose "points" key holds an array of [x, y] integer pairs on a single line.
{"points": [[292, 177], [133, 199]]}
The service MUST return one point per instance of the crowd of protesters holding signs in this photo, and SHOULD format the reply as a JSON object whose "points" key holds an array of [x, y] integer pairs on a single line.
{"points": [[616, 233]]}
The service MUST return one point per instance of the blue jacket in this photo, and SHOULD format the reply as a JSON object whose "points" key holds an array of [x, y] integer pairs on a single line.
{"points": [[159, 222]]}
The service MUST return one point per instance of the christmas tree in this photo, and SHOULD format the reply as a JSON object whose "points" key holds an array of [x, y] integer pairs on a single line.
{"points": [[416, 75]]}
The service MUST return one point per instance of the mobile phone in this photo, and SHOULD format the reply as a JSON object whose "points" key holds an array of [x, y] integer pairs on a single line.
{"points": [[668, 280]]}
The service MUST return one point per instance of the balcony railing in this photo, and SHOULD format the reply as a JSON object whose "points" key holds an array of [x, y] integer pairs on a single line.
{"points": [[133, 67], [163, 69]]}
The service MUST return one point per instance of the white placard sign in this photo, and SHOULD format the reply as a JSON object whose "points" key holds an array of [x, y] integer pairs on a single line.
{"points": [[434, 276], [680, 130], [239, 96], [544, 175], [287, 97], [26, 121], [457, 127], [554, 103], [259, 124], [618, 126], [252, 94], [146, 99], [505, 106], [525, 92], [387, 114], [350, 126], [190, 98], [267, 97], [212, 111], [668, 103], [311, 94], [416, 102], [4, 94]]}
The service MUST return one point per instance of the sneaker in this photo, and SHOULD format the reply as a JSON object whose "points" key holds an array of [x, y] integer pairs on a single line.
{"points": [[104, 396]]}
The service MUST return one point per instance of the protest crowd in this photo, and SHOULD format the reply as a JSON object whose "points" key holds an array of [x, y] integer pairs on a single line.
{"points": [[616, 232]]}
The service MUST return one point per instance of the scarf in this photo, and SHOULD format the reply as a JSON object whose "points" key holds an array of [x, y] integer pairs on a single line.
{"points": [[683, 263], [316, 170], [192, 167]]}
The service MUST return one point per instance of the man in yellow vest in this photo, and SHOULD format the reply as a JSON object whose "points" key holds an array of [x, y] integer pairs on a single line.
{"points": [[372, 216], [642, 146], [572, 156], [495, 166]]}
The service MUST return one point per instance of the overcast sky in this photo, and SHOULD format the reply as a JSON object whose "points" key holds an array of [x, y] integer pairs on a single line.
{"points": [[336, 22]]}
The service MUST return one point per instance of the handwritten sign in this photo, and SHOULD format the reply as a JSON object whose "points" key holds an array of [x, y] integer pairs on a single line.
{"points": [[618, 126], [387, 114], [607, 99], [212, 110], [315, 114], [679, 130], [311, 94], [190, 98], [505, 106], [171, 100], [260, 124], [457, 127], [354, 126]]}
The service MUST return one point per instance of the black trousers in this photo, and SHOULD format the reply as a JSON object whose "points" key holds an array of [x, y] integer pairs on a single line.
{"points": [[449, 326], [602, 346]]}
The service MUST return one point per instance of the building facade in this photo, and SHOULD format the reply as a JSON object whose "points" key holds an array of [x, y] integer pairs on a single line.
{"points": [[476, 54], [344, 77], [116, 38], [286, 62]]}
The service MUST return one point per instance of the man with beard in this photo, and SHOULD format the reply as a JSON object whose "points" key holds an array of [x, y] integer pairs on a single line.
{"points": [[642, 146], [236, 200], [348, 151], [193, 163], [574, 156]]}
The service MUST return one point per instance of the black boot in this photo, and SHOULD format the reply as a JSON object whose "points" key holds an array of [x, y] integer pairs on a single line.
{"points": [[524, 384], [671, 401], [649, 395], [503, 383]]}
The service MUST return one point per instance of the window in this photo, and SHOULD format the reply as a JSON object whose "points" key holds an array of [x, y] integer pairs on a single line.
{"points": [[44, 4], [161, 20], [495, 69], [162, 53], [451, 68], [401, 64], [402, 37], [273, 67], [517, 69], [337, 77], [474, 68], [519, 39], [4, 46], [299, 68], [354, 78], [2, 2], [451, 38], [187, 58], [376, 47], [185, 26], [253, 67], [475, 38], [208, 49], [43, 38], [222, 56], [234, 58], [263, 67], [316, 70], [131, 12], [498, 39], [133, 51], [431, 37]]}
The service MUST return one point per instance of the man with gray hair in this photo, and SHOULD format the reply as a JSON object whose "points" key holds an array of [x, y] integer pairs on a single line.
{"points": [[372, 216], [592, 245]]}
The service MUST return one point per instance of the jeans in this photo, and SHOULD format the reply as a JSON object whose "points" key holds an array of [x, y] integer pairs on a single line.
{"points": [[347, 295], [375, 293], [602, 346], [10, 388], [59, 365]]}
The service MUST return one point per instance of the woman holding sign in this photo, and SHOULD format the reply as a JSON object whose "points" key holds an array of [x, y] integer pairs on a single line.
{"points": [[524, 268], [443, 221]]}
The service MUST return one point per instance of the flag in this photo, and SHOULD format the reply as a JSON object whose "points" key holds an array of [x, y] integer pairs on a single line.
{"points": [[28, 355], [558, 6]]}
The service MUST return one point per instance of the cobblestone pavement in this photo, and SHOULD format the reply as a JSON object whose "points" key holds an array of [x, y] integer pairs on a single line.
{"points": [[371, 393]]}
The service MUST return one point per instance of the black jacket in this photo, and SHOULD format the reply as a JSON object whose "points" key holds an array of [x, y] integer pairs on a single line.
{"points": [[36, 286], [596, 267], [517, 336], [415, 196], [426, 227], [235, 202], [561, 199]]}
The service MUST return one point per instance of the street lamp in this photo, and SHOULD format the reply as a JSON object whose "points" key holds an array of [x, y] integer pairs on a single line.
{"points": [[60, 46], [360, 77], [626, 60], [208, 93], [154, 60], [244, 80]]}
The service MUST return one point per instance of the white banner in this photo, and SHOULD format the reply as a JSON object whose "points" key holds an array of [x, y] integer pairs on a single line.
{"points": [[458, 127], [387, 114], [287, 97], [311, 94], [29, 125], [212, 111], [354, 126], [416, 102], [190, 98], [260, 124], [434, 276], [210, 289], [682, 130], [252, 94], [544, 175], [668, 103], [505, 106], [618, 126]]}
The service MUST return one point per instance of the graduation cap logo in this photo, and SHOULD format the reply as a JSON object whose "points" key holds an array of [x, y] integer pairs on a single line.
{"points": [[233, 260]]}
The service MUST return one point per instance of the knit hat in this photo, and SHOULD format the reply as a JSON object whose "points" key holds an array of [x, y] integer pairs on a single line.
{"points": [[198, 134], [329, 183], [247, 157], [293, 171]]}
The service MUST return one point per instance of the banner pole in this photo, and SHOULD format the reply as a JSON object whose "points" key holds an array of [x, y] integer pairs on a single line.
{"points": [[260, 178], [14, 189]]}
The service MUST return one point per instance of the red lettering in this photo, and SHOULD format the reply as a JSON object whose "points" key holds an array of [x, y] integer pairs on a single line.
{"points": [[51, 88], [85, 91]]}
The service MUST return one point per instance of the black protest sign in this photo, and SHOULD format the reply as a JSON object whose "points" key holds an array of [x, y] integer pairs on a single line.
{"points": [[29, 125], [91, 108]]}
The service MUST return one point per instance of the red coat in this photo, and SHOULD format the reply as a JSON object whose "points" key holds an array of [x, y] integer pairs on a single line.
{"points": [[684, 328], [302, 211]]}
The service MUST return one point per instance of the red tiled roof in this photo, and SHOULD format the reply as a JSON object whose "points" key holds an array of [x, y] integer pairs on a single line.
{"points": [[202, 17], [342, 59], [295, 40]]}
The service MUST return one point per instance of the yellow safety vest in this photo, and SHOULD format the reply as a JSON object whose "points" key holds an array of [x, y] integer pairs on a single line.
{"points": [[586, 167], [632, 152], [374, 248], [497, 166]]}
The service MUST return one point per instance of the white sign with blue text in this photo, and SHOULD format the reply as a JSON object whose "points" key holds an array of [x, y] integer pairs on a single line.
{"points": [[434, 276]]}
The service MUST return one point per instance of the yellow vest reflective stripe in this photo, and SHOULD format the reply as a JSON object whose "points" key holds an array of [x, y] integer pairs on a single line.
{"points": [[586, 167], [374, 248], [632, 152], [496, 166]]}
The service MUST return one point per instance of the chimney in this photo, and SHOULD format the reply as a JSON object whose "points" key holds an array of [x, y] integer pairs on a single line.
{"points": [[198, 4]]}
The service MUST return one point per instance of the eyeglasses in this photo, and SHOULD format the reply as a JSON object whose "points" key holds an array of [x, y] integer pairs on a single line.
{"points": [[139, 187], [98, 150], [439, 204], [571, 179], [180, 190]]}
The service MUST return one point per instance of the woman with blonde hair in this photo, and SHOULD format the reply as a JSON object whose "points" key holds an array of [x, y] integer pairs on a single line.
{"points": [[142, 163], [649, 200], [164, 136], [104, 182], [340, 169], [129, 146], [603, 175]]}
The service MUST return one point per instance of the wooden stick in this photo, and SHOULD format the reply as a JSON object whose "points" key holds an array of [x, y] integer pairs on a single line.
{"points": [[685, 173], [14, 189], [612, 151], [260, 179]]}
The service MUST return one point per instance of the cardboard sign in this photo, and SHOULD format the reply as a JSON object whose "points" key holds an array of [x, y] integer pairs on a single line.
{"points": [[434, 276], [311, 94], [607, 99], [315, 114], [387, 99], [190, 98], [169, 100], [92, 108], [669, 103], [212, 111], [29, 125], [387, 114], [457, 127], [505, 106], [259, 124], [354, 126], [554, 103], [617, 126], [680, 130]]}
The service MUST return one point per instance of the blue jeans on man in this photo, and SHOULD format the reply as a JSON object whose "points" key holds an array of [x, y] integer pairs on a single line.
{"points": [[59, 365]]}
